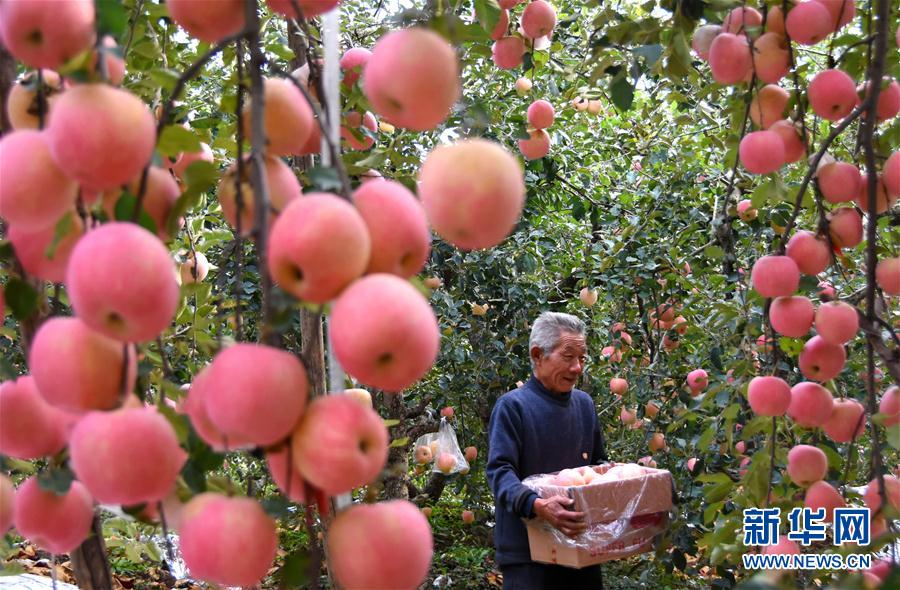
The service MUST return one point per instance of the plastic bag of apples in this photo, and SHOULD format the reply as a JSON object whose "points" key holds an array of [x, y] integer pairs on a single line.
{"points": [[442, 449], [626, 506]]}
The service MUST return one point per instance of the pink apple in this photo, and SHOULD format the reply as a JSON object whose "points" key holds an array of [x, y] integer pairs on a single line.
{"points": [[822, 494], [310, 8], [808, 23], [845, 227], [34, 193], [775, 20], [618, 386], [353, 130], [128, 456], [39, 251], [208, 20], [769, 105], [507, 52], [730, 58], [255, 393], [54, 522], [807, 465], [775, 276], [160, 194], [887, 274], [46, 34], [109, 292], [340, 444], [811, 404], [401, 529], [697, 379], [536, 146], [794, 148], [821, 360], [318, 246], [22, 101], [842, 11], [872, 495], [77, 369], [288, 118], [195, 407], [446, 462], [184, 162], [540, 114], [771, 59], [538, 19], [412, 78], [832, 93], [703, 38], [30, 428], [397, 227], [478, 209], [691, 464], [837, 322], [769, 396], [809, 252], [792, 315], [384, 332], [471, 453], [847, 421], [839, 181], [883, 201], [227, 541], [762, 152], [194, 269], [286, 476], [114, 148], [890, 406], [353, 64], [891, 174], [627, 416], [283, 189], [746, 211]]}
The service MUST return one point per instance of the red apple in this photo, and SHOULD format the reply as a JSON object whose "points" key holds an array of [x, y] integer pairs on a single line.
{"points": [[54, 522], [811, 404], [806, 465], [769, 396]]}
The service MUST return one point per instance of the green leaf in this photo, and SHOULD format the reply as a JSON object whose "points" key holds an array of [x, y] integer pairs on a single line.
{"points": [[324, 179], [650, 53], [111, 17], [622, 93], [176, 139], [56, 480], [63, 227], [21, 297], [125, 207], [488, 13], [293, 573], [164, 78], [400, 442]]}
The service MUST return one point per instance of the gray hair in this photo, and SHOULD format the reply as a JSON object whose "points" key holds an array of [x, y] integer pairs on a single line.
{"points": [[548, 328]]}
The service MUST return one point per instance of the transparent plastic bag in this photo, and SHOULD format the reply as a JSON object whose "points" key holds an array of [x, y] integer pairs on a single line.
{"points": [[445, 454], [625, 506]]}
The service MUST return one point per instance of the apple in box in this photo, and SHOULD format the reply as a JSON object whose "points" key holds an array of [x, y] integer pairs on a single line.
{"points": [[625, 505]]}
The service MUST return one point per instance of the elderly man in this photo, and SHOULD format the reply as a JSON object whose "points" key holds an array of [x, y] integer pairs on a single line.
{"points": [[544, 426]]}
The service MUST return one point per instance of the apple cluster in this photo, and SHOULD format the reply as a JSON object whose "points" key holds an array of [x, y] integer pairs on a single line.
{"points": [[747, 47], [535, 30], [357, 255]]}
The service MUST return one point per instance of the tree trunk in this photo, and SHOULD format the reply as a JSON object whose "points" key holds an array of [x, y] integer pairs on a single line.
{"points": [[398, 459], [89, 562], [7, 79]]}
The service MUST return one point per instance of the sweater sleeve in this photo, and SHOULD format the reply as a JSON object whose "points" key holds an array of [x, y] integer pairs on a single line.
{"points": [[505, 441]]}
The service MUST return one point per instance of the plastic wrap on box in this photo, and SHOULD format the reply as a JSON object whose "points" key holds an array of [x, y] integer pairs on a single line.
{"points": [[625, 507], [444, 442]]}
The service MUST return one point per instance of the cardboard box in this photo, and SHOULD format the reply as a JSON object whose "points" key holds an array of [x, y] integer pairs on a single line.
{"points": [[623, 517]]}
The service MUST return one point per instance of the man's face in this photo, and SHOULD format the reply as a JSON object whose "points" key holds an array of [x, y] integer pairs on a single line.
{"points": [[559, 371]]}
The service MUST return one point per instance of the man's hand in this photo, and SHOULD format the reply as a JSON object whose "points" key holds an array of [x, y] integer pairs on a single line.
{"points": [[553, 511]]}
